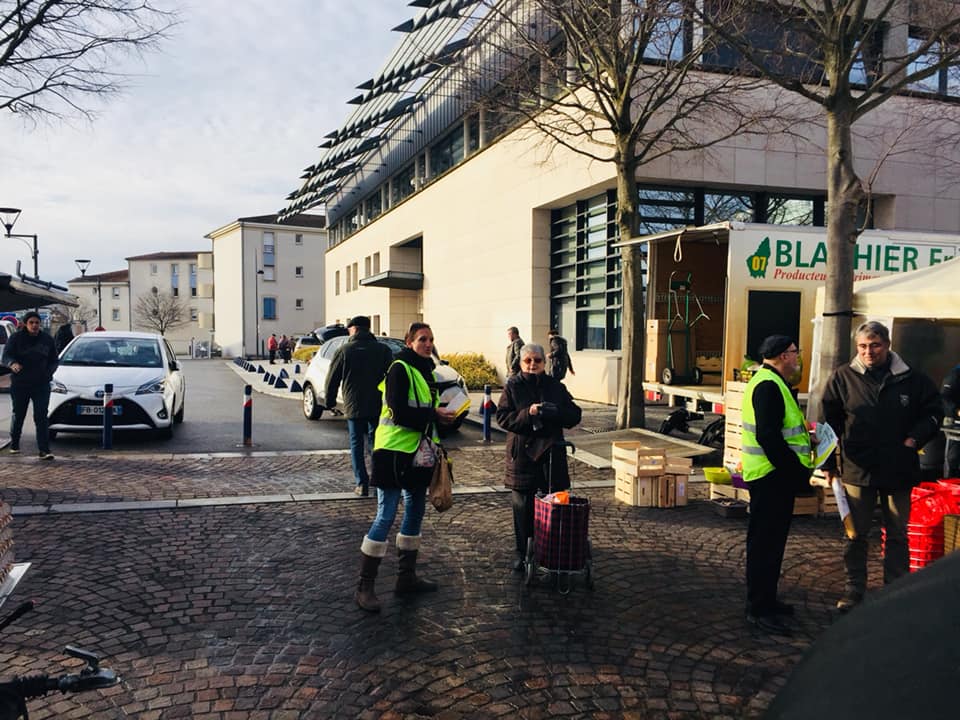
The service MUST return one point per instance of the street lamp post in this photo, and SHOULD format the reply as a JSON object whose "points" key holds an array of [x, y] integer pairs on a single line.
{"points": [[9, 219], [83, 264], [256, 309]]}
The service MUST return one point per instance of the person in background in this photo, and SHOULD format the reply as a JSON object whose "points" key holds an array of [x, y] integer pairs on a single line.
{"points": [[359, 364], [63, 337], [558, 359], [272, 345], [776, 466], [534, 409], [32, 358], [883, 411], [513, 351], [950, 395], [284, 347], [409, 413]]}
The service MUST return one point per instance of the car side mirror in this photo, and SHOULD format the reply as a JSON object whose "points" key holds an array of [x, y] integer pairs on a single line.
{"points": [[174, 365], [444, 362]]}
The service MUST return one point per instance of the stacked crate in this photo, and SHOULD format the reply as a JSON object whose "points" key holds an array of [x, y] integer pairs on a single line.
{"points": [[648, 478]]}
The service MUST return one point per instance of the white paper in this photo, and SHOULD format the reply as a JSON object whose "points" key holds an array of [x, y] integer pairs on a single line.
{"points": [[826, 444], [453, 398], [843, 507]]}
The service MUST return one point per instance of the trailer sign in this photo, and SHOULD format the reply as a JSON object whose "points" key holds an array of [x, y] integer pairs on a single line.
{"points": [[806, 258]]}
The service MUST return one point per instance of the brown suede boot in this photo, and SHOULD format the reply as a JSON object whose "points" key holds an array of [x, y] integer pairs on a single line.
{"points": [[371, 553], [407, 581]]}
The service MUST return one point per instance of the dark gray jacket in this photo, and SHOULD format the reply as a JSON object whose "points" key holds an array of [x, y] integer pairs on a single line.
{"points": [[36, 353], [360, 364], [873, 418]]}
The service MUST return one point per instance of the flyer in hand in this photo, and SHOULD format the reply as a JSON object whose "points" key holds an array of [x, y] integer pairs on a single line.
{"points": [[826, 444], [453, 398]]}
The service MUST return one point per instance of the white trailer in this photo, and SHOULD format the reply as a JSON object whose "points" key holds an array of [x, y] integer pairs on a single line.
{"points": [[751, 281]]}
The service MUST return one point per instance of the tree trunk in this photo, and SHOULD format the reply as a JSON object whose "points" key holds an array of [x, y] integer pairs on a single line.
{"points": [[630, 407], [844, 194]]}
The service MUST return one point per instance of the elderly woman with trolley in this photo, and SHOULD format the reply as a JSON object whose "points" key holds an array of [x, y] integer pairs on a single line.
{"points": [[409, 414], [534, 408]]}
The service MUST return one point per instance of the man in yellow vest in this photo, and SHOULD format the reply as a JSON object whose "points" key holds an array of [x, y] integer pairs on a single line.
{"points": [[776, 466]]}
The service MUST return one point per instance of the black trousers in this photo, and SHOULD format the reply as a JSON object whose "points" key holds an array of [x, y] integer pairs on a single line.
{"points": [[771, 512]]}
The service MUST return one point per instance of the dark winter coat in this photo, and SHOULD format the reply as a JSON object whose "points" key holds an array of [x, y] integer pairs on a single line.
{"points": [[534, 442], [393, 469], [359, 364], [512, 359], [63, 337], [874, 416], [559, 358], [36, 353], [950, 394]]}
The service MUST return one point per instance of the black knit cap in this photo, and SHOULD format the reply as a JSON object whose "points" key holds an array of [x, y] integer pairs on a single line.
{"points": [[360, 321], [774, 345]]}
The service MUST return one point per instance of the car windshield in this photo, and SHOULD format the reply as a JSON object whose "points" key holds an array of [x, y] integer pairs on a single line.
{"points": [[114, 352]]}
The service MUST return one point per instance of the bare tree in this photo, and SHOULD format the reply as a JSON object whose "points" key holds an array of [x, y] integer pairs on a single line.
{"points": [[160, 312], [55, 55], [847, 57], [620, 82]]}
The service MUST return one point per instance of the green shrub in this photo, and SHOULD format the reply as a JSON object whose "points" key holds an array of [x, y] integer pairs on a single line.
{"points": [[474, 368], [305, 354]]}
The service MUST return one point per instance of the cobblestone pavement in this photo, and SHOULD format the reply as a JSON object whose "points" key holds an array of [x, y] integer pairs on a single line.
{"points": [[246, 611]]}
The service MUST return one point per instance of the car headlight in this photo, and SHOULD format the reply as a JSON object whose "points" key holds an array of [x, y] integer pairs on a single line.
{"points": [[58, 387], [153, 387]]}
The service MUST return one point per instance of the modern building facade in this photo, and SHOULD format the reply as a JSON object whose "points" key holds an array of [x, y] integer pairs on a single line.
{"points": [[267, 277], [441, 211], [104, 299], [183, 283]]}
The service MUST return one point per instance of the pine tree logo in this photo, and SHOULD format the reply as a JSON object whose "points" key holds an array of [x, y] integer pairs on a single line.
{"points": [[757, 263]]}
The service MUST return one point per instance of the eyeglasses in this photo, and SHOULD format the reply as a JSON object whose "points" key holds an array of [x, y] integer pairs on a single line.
{"points": [[532, 360]]}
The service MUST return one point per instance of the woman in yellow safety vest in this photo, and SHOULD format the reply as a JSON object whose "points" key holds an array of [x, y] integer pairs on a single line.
{"points": [[409, 413]]}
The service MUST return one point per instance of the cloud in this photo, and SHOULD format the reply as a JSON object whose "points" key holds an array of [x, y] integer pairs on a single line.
{"points": [[217, 125]]}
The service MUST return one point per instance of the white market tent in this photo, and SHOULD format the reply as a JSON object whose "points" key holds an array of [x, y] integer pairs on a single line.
{"points": [[930, 292]]}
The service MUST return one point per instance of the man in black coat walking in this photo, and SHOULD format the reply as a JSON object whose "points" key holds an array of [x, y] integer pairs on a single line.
{"points": [[32, 358], [359, 364]]}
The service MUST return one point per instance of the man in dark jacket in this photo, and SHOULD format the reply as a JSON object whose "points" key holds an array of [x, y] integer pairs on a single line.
{"points": [[32, 358], [534, 409], [63, 337], [513, 351], [950, 394], [359, 364], [883, 412], [558, 355]]}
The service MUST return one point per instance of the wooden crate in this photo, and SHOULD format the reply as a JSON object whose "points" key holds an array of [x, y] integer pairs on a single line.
{"points": [[733, 423], [807, 505], [728, 491], [630, 456], [632, 490]]}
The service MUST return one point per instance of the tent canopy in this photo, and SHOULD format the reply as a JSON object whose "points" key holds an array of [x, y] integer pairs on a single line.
{"points": [[930, 292], [23, 293]]}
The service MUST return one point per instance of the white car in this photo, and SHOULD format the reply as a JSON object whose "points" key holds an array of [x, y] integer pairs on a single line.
{"points": [[315, 379], [148, 385]]}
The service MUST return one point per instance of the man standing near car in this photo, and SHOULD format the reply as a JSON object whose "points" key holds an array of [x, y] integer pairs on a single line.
{"points": [[32, 358], [513, 351], [359, 364]]}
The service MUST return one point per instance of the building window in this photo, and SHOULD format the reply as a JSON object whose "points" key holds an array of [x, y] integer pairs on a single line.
{"points": [[175, 292], [944, 81], [376, 324], [298, 303], [193, 314], [366, 266], [446, 152], [356, 276], [349, 285], [336, 283], [193, 279], [115, 314], [402, 184], [115, 292], [376, 263], [153, 268], [298, 239], [269, 256], [269, 308], [298, 271], [373, 206]]}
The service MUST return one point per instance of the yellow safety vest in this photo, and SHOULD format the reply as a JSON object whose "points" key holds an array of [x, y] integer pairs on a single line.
{"points": [[755, 462], [391, 436]]}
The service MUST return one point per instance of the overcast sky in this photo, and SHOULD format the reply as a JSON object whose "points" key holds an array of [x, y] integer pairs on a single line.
{"points": [[218, 125]]}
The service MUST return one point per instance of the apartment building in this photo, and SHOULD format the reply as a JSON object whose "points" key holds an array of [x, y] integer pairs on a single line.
{"points": [[104, 299], [178, 287], [439, 209], [268, 277]]}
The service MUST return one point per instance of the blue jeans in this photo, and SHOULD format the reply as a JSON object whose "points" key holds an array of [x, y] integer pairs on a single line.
{"points": [[414, 503], [21, 396], [360, 429]]}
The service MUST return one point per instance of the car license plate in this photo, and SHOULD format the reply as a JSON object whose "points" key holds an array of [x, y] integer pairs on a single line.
{"points": [[97, 410]]}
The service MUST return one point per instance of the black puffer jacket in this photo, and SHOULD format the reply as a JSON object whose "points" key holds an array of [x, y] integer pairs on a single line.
{"points": [[393, 469], [360, 364], [532, 440], [36, 353], [874, 417]]}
